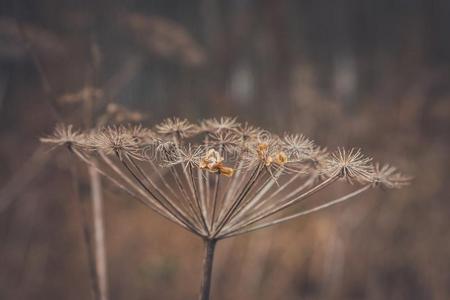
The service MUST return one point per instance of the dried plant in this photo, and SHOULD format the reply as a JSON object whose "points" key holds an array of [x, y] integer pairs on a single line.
{"points": [[164, 38], [220, 178], [13, 44]]}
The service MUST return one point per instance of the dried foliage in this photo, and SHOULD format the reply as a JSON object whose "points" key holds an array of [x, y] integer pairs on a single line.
{"points": [[16, 37], [163, 37]]}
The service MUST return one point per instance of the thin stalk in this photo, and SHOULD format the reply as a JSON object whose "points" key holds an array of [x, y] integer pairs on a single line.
{"points": [[177, 211], [272, 206], [158, 203], [302, 213], [197, 197], [189, 201], [236, 203], [280, 207], [143, 198], [214, 204], [201, 191], [210, 245], [254, 199], [86, 232]]}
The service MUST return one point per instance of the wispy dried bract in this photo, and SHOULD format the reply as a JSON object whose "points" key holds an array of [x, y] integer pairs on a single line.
{"points": [[227, 141], [388, 177], [65, 135], [219, 125], [350, 165], [118, 140], [248, 133], [220, 178], [298, 147], [319, 155], [178, 128], [186, 155]]}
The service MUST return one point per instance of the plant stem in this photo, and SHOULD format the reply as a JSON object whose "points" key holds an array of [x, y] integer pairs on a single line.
{"points": [[99, 232], [210, 245], [86, 231]]}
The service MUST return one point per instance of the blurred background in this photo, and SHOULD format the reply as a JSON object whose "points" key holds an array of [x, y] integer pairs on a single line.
{"points": [[365, 73]]}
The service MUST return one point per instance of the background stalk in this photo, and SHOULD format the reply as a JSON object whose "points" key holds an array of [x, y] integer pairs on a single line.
{"points": [[99, 232]]}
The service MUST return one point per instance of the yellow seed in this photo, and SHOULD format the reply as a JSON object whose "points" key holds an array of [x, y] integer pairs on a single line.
{"points": [[262, 147], [281, 158], [226, 171]]}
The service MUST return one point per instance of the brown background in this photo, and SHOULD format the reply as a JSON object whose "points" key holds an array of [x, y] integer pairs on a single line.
{"points": [[372, 74]]}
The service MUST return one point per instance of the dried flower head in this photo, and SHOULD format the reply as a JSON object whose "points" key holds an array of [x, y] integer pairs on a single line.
{"points": [[350, 165], [219, 125], [225, 140], [298, 147], [177, 128], [248, 133], [117, 140], [388, 177], [64, 135], [237, 179]]}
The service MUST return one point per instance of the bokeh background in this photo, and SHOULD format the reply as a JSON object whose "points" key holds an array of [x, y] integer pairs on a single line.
{"points": [[365, 73]]}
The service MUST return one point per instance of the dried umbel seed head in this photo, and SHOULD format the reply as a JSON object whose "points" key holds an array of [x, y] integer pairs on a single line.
{"points": [[142, 135], [318, 155], [298, 147], [247, 133], [387, 176], [237, 179], [350, 165], [270, 154], [226, 141], [222, 124], [220, 178], [186, 155], [65, 135], [116, 140], [178, 128]]}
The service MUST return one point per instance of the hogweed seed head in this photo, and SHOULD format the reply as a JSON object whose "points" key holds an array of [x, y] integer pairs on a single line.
{"points": [[239, 178], [64, 135], [298, 146], [119, 140], [388, 177], [179, 128], [350, 165], [223, 124]]}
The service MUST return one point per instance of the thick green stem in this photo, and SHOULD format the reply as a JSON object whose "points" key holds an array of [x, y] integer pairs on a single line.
{"points": [[210, 245]]}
